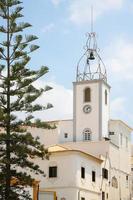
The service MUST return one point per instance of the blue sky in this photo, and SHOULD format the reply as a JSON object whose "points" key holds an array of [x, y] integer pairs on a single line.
{"points": [[61, 26]]}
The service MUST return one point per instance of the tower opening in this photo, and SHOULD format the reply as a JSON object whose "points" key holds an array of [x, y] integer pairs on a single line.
{"points": [[87, 95], [106, 97]]}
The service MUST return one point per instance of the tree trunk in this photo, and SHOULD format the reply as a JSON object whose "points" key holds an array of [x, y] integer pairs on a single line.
{"points": [[8, 176]]}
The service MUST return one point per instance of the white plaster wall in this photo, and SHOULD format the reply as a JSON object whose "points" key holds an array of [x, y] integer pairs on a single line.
{"points": [[120, 167], [131, 178], [125, 164], [82, 120], [88, 195], [116, 160], [69, 175], [46, 195], [54, 136], [114, 193], [66, 173], [120, 159], [123, 190], [89, 166], [132, 151], [113, 127], [119, 128], [75, 193], [125, 133], [105, 109], [68, 193], [91, 147], [47, 137], [104, 184], [65, 126], [121, 154], [114, 157]]}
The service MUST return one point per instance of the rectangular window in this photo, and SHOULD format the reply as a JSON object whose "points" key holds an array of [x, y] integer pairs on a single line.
{"points": [[111, 133], [103, 195], [107, 196], [121, 139], [106, 97], [65, 135], [127, 181], [82, 198], [87, 95], [82, 172], [87, 136], [93, 176], [105, 173], [53, 172]]}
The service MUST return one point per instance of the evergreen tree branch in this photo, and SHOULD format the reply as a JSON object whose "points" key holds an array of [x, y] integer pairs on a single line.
{"points": [[18, 94]]}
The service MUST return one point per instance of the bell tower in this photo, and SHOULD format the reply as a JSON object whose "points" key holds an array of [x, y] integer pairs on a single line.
{"points": [[91, 95]]}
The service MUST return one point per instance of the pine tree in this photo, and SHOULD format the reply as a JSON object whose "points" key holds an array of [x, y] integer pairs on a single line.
{"points": [[17, 94]]}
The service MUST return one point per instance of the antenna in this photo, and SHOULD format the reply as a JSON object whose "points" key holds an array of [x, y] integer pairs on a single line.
{"points": [[92, 19]]}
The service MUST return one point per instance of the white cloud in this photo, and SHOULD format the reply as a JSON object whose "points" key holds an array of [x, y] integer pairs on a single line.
{"points": [[60, 97], [119, 59], [117, 107], [119, 110], [80, 10], [56, 2], [48, 28]]}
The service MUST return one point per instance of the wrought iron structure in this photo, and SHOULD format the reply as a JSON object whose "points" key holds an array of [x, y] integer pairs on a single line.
{"points": [[90, 65]]}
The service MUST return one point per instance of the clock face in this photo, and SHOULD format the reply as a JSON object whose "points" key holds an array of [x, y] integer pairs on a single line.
{"points": [[87, 108]]}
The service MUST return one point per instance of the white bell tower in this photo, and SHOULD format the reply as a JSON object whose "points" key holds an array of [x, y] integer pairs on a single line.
{"points": [[91, 95]]}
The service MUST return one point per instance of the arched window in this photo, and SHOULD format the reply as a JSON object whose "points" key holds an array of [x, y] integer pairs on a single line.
{"points": [[114, 182], [87, 134], [106, 97], [87, 95]]}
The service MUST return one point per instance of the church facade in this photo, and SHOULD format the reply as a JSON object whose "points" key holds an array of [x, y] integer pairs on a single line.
{"points": [[90, 155]]}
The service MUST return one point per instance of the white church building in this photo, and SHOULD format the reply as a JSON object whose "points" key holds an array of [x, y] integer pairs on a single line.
{"points": [[90, 156]]}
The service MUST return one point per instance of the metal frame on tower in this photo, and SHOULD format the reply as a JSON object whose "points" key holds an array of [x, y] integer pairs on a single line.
{"points": [[90, 65]]}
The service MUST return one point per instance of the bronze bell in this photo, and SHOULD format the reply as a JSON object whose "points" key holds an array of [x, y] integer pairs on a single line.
{"points": [[91, 56]]}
